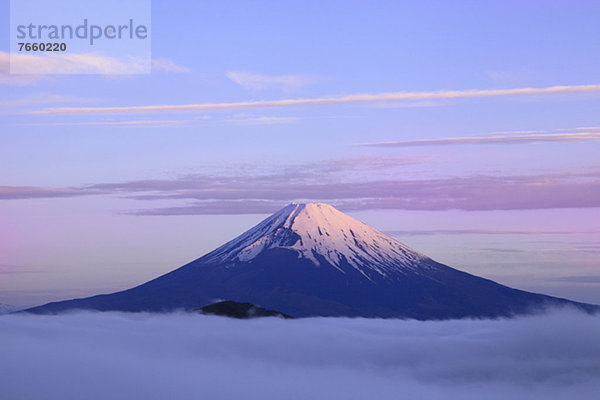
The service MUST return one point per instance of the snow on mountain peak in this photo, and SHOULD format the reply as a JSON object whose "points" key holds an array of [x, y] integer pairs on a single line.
{"points": [[318, 231]]}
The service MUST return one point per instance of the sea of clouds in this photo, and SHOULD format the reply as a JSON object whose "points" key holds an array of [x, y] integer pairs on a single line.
{"points": [[182, 356]]}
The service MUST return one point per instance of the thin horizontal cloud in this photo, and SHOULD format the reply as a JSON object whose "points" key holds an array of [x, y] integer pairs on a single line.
{"points": [[576, 251], [496, 139], [36, 192], [17, 269], [43, 98], [70, 63], [586, 128], [135, 123], [486, 232], [354, 98], [500, 250], [415, 104], [168, 65], [547, 131], [594, 279], [253, 81], [262, 120], [43, 64], [227, 207]]}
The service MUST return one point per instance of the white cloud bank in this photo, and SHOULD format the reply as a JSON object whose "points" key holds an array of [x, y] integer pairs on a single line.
{"points": [[136, 356], [71, 63]]}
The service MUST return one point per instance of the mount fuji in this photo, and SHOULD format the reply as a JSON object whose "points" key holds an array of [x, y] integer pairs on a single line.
{"points": [[313, 260]]}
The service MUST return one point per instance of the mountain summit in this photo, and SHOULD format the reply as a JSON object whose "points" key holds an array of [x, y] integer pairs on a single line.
{"points": [[320, 233], [313, 260]]}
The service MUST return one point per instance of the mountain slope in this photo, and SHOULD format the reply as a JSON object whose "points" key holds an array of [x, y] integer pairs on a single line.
{"points": [[7, 308], [313, 260]]}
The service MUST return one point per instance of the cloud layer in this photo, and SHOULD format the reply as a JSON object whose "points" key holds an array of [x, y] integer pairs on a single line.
{"points": [[250, 190], [267, 193], [120, 356]]}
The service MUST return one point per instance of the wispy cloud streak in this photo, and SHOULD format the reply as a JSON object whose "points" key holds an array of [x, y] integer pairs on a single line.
{"points": [[165, 123], [72, 63], [261, 120], [488, 232], [167, 65], [36, 192], [35, 67], [250, 80], [17, 269], [43, 98], [355, 98], [494, 139]]}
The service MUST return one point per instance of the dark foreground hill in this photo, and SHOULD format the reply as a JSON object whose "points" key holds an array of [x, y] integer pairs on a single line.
{"points": [[234, 309]]}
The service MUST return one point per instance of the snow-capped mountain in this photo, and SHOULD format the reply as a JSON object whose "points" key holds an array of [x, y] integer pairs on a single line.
{"points": [[317, 231], [313, 260]]}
